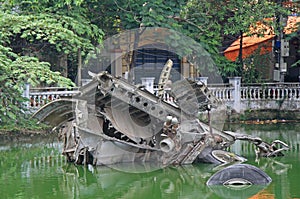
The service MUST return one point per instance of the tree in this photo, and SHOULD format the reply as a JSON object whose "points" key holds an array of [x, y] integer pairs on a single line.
{"points": [[31, 30], [203, 21], [207, 22], [39, 27], [133, 14], [215, 21], [142, 14], [15, 72], [258, 15]]}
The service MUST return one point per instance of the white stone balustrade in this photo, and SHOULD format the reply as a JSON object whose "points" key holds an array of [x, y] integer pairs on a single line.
{"points": [[289, 91], [38, 97], [166, 96], [222, 92], [239, 97]]}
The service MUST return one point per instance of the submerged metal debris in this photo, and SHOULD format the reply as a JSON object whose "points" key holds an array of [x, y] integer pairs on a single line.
{"points": [[238, 181], [239, 175], [112, 121]]}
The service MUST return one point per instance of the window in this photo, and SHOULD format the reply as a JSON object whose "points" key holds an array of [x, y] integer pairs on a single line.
{"points": [[150, 62]]}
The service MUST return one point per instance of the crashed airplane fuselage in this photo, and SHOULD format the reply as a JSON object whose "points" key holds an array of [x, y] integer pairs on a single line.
{"points": [[112, 121]]}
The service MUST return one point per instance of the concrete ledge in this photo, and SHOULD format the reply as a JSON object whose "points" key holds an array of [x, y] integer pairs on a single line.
{"points": [[266, 114]]}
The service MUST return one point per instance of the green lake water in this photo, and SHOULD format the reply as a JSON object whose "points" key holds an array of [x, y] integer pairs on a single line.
{"points": [[35, 168]]}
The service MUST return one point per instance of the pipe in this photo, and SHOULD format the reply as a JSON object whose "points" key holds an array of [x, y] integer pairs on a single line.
{"points": [[167, 145]]}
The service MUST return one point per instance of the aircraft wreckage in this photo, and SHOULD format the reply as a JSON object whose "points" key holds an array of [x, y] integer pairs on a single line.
{"points": [[111, 121]]}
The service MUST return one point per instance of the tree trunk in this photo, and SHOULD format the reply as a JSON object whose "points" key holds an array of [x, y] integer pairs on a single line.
{"points": [[133, 57], [137, 35], [240, 58], [64, 65], [79, 67]]}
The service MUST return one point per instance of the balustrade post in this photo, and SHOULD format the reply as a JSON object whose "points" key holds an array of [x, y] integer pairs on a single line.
{"points": [[203, 80], [26, 93], [236, 93]]}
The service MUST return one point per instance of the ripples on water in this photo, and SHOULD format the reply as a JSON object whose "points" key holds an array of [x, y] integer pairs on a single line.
{"points": [[35, 168]]}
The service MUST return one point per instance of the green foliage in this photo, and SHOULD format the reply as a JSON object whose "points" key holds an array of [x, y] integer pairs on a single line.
{"points": [[65, 33], [258, 15], [204, 21], [184, 18], [295, 35], [142, 13], [50, 30], [243, 14], [209, 22], [61, 27], [15, 72], [256, 67], [29, 29]]}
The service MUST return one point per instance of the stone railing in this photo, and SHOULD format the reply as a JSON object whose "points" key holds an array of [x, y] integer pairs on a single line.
{"points": [[166, 96], [41, 96], [280, 96], [222, 92], [239, 97], [271, 91]]}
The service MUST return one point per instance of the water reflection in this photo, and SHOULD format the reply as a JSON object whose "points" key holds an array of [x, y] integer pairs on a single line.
{"points": [[37, 170], [237, 192], [112, 183], [275, 166], [288, 133], [283, 170], [187, 181]]}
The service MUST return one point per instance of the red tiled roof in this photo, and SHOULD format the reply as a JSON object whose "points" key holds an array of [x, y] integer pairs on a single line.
{"points": [[251, 43]]}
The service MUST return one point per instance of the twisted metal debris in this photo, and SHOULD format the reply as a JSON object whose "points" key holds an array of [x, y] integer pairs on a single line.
{"points": [[112, 121]]}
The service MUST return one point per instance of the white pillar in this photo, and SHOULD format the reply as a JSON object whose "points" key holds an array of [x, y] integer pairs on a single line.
{"points": [[236, 83], [203, 80], [26, 93], [148, 82]]}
